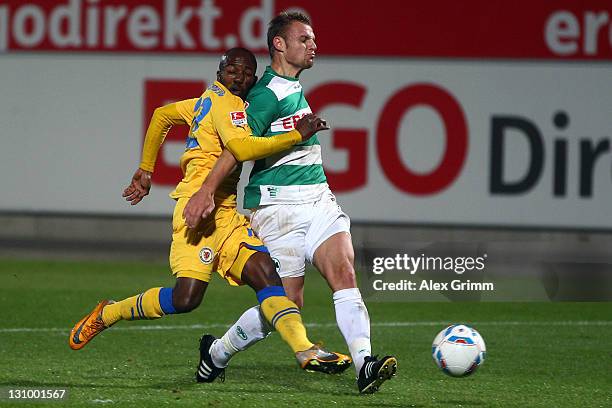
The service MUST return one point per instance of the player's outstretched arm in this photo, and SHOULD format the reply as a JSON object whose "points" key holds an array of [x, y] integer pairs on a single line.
{"points": [[202, 203], [254, 148], [161, 122]]}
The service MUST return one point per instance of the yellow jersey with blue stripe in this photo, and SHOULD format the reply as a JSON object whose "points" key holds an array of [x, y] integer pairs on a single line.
{"points": [[217, 119]]}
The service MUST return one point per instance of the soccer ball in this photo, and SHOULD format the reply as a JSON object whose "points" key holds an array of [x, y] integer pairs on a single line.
{"points": [[458, 350]]}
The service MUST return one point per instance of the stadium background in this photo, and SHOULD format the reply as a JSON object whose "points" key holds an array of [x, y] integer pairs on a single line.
{"points": [[492, 127], [479, 124]]}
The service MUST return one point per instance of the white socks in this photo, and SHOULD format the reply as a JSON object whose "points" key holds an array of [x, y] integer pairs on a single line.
{"points": [[354, 323], [250, 328], [351, 315]]}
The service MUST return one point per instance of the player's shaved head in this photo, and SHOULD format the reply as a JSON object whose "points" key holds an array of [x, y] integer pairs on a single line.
{"points": [[237, 54], [237, 70]]}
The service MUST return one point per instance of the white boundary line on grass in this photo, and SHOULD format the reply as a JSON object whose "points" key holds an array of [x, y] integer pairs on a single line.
{"points": [[150, 327]]}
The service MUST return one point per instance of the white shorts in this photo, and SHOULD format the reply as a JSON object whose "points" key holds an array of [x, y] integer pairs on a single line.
{"points": [[293, 232]]}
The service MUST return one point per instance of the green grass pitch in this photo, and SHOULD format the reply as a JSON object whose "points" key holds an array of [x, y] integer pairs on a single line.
{"points": [[539, 354]]}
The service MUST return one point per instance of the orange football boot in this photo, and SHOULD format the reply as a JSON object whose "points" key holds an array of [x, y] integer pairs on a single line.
{"points": [[318, 359], [88, 327]]}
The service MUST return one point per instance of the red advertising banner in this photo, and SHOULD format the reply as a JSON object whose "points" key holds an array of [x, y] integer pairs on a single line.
{"points": [[521, 29], [159, 93]]}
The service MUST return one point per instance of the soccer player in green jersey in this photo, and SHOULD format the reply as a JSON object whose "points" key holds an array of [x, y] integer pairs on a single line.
{"points": [[293, 210]]}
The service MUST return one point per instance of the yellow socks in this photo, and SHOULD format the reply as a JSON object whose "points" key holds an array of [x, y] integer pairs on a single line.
{"points": [[151, 304], [154, 303], [285, 316]]}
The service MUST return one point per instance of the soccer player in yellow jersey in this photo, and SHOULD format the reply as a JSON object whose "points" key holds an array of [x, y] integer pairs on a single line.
{"points": [[222, 242]]}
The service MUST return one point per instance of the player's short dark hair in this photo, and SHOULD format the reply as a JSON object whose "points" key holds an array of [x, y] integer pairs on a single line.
{"points": [[278, 26]]}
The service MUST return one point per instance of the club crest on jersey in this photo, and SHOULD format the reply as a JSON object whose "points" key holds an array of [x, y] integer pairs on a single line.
{"points": [[238, 118], [206, 255]]}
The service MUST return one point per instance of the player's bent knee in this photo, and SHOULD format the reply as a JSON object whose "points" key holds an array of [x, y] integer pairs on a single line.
{"points": [[187, 304], [260, 272], [188, 294], [261, 264]]}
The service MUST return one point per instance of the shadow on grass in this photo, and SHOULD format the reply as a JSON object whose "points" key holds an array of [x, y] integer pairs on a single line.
{"points": [[461, 403], [262, 378], [266, 378], [68, 385], [248, 378]]}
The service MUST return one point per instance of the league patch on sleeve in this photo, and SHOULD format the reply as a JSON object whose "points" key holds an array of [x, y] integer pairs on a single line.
{"points": [[238, 118]]}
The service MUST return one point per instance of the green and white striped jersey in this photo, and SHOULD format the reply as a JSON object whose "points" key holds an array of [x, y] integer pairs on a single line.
{"points": [[294, 176]]}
